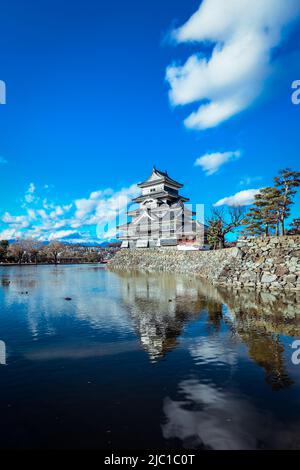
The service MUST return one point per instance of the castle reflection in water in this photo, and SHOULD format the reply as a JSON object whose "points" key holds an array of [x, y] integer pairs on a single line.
{"points": [[158, 307], [161, 306], [204, 367]]}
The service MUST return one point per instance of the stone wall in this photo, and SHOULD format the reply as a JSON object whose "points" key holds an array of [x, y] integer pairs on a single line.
{"points": [[270, 262], [265, 263]]}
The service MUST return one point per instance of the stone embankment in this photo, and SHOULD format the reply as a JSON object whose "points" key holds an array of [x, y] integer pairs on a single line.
{"points": [[264, 263]]}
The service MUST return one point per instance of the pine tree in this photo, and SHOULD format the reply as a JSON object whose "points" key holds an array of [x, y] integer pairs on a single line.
{"points": [[253, 223], [295, 227], [286, 182], [263, 217], [268, 200]]}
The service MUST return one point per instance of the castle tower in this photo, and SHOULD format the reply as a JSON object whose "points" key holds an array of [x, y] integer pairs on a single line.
{"points": [[161, 219]]}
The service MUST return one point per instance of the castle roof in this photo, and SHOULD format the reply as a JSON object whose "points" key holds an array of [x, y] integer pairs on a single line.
{"points": [[158, 176], [160, 195]]}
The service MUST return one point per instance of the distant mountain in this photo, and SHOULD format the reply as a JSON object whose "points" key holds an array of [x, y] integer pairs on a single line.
{"points": [[77, 241]]}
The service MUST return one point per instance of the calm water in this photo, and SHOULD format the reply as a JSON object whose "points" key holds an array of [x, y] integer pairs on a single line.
{"points": [[144, 361]]}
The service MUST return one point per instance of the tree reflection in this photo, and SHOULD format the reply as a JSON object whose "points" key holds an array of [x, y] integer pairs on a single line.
{"points": [[267, 351], [161, 305], [258, 318]]}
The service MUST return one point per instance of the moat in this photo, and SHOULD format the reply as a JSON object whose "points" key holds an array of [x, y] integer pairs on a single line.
{"points": [[108, 360]]}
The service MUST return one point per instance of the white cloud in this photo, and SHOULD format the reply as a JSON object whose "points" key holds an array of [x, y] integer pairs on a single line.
{"points": [[101, 206], [60, 210], [242, 198], [20, 221], [215, 417], [60, 234], [243, 33], [48, 221], [211, 162], [31, 188], [9, 234], [29, 195]]}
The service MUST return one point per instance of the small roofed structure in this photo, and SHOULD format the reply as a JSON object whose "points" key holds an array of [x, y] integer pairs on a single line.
{"points": [[161, 218]]}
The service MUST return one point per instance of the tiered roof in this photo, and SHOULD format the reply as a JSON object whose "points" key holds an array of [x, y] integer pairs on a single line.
{"points": [[157, 177], [170, 191]]}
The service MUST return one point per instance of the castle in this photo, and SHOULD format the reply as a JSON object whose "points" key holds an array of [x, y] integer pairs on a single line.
{"points": [[161, 219]]}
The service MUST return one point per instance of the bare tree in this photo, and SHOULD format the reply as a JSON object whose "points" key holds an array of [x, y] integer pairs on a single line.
{"points": [[222, 222], [4, 245], [16, 251], [33, 248], [53, 250], [26, 249]]}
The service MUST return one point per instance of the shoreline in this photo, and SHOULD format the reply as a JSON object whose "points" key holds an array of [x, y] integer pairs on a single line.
{"points": [[49, 264], [270, 263]]}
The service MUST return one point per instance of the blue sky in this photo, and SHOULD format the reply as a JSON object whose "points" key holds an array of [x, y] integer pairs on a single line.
{"points": [[98, 92]]}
